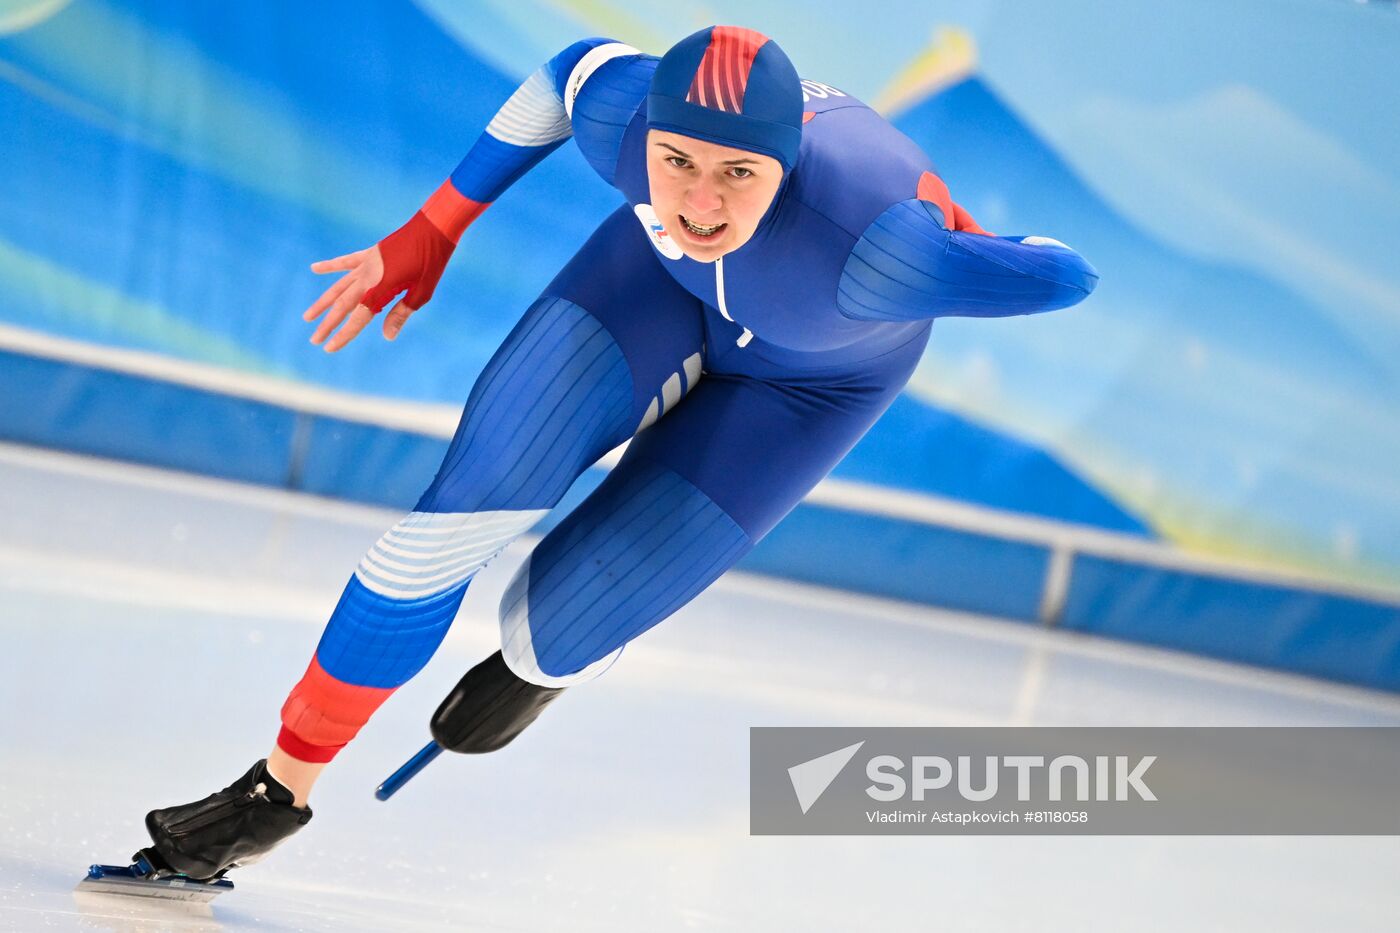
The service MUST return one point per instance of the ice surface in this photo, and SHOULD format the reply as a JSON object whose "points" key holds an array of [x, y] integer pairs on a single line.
{"points": [[153, 623]]}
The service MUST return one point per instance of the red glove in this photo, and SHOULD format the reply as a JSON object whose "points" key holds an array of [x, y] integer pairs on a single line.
{"points": [[416, 254]]}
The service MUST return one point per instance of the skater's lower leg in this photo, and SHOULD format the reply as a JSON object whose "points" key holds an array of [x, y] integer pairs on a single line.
{"points": [[294, 774]]}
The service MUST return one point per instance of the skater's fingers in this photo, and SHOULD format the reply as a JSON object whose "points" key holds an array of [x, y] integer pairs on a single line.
{"points": [[329, 323], [358, 319], [395, 319], [340, 263], [327, 298], [344, 302]]}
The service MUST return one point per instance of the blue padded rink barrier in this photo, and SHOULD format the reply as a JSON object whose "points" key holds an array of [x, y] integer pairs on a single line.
{"points": [[626, 807]]}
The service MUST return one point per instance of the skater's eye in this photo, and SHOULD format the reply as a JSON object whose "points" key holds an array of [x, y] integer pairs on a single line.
{"points": [[678, 162], [739, 171]]}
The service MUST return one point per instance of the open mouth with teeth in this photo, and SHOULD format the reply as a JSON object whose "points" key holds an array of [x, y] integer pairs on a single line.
{"points": [[700, 230]]}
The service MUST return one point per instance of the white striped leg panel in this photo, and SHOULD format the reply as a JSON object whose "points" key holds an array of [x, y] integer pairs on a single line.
{"points": [[533, 116], [517, 644], [672, 391], [432, 552]]}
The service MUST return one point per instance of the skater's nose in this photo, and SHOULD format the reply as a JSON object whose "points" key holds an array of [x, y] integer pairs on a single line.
{"points": [[702, 198]]}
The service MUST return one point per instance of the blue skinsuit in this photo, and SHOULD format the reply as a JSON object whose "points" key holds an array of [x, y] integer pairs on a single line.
{"points": [[740, 401]]}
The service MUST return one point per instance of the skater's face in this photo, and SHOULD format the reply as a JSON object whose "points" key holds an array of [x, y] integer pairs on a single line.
{"points": [[710, 198]]}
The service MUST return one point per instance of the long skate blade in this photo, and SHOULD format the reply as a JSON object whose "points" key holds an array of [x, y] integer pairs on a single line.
{"points": [[118, 879]]}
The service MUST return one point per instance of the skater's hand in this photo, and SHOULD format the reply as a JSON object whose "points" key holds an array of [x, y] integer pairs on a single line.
{"points": [[410, 259], [363, 270]]}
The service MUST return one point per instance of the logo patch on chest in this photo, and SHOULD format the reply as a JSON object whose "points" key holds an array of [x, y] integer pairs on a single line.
{"points": [[657, 232]]}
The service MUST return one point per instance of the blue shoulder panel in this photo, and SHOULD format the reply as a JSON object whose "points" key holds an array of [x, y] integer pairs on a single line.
{"points": [[606, 105], [908, 266]]}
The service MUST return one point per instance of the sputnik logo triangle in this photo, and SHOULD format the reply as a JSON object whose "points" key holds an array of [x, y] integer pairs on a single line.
{"points": [[811, 778]]}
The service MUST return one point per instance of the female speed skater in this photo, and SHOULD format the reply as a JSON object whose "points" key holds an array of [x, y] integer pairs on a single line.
{"points": [[744, 318]]}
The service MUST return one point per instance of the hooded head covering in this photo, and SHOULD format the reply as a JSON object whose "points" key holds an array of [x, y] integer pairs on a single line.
{"points": [[730, 86]]}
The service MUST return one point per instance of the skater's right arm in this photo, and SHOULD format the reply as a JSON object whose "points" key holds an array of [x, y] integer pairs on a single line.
{"points": [[533, 123]]}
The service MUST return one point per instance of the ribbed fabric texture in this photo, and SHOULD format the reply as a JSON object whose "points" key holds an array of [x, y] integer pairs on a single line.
{"points": [[907, 266], [379, 641], [601, 116], [533, 116], [643, 545], [325, 713], [555, 398], [530, 125], [428, 552]]}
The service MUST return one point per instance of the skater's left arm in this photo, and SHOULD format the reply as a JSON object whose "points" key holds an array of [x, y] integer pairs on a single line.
{"points": [[928, 258]]}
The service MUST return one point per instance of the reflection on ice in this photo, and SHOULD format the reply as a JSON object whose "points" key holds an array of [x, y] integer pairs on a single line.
{"points": [[127, 914]]}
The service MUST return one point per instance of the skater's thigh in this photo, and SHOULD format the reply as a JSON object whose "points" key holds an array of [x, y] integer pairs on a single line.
{"points": [[692, 495], [755, 448], [611, 342], [657, 324]]}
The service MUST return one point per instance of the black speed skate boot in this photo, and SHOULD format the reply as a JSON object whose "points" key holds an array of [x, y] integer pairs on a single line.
{"points": [[236, 826], [488, 708]]}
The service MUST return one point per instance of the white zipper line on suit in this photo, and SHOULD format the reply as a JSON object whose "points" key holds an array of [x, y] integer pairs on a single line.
{"points": [[747, 335]]}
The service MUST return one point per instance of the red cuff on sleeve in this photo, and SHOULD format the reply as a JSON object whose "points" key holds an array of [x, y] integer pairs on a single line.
{"points": [[289, 742], [451, 211]]}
